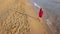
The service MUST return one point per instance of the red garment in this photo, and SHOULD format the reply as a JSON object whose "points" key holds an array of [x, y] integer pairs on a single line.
{"points": [[40, 13]]}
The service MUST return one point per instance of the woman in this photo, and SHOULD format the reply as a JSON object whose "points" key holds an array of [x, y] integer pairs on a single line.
{"points": [[40, 13]]}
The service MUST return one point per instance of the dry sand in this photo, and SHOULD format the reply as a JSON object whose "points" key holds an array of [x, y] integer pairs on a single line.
{"points": [[18, 17]]}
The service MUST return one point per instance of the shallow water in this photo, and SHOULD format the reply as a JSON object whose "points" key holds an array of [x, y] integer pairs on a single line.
{"points": [[49, 5]]}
